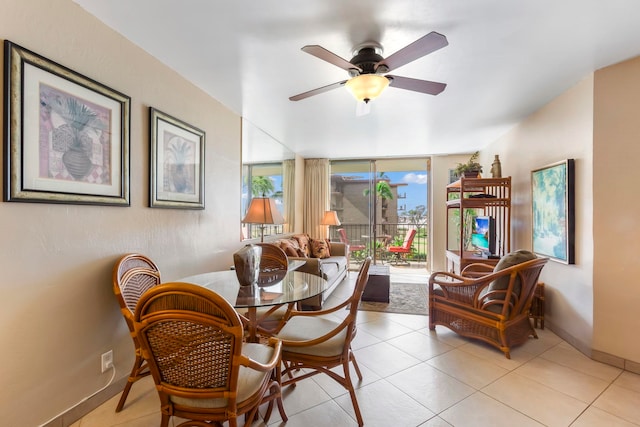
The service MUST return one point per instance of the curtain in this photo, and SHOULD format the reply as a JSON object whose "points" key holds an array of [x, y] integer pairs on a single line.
{"points": [[288, 197], [316, 196]]}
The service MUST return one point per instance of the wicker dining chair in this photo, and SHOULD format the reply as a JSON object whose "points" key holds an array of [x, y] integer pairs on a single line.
{"points": [[192, 339], [317, 344], [133, 274]]}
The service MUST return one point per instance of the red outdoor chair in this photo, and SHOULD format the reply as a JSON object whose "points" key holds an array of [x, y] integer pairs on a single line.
{"points": [[352, 248], [400, 252]]}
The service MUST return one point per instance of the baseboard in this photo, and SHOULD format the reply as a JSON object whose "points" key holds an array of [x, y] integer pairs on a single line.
{"points": [[597, 355], [80, 410]]}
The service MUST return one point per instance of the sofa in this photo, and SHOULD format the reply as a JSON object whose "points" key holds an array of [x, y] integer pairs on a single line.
{"points": [[322, 258]]}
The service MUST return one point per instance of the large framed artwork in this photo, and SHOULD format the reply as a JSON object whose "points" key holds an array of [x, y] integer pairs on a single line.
{"points": [[66, 136], [553, 220], [177, 163]]}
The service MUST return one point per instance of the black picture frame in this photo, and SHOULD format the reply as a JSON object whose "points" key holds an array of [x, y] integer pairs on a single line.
{"points": [[176, 163], [553, 211], [66, 136]]}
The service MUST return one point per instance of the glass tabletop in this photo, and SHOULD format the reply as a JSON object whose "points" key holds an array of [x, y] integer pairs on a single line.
{"points": [[273, 288]]}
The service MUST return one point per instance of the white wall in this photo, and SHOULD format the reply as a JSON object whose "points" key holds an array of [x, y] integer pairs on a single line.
{"points": [[560, 130], [59, 313], [616, 180]]}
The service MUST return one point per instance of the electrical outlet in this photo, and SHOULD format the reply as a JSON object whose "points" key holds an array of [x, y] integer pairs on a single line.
{"points": [[107, 360]]}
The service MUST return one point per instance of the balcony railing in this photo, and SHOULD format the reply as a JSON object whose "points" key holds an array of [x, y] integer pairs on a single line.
{"points": [[387, 234]]}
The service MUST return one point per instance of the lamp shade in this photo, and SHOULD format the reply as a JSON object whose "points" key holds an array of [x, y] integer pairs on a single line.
{"points": [[263, 210], [366, 87], [330, 218]]}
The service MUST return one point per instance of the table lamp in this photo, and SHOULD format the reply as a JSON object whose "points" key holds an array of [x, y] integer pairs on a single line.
{"points": [[330, 218], [263, 210]]}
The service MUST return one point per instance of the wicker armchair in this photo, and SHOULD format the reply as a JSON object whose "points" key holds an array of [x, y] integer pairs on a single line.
{"points": [[317, 344], [192, 339], [133, 274], [488, 304]]}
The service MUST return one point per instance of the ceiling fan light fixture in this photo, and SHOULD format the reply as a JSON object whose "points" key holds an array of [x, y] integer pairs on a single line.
{"points": [[366, 87]]}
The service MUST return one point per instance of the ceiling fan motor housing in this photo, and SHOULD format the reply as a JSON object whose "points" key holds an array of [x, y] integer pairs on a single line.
{"points": [[367, 58]]}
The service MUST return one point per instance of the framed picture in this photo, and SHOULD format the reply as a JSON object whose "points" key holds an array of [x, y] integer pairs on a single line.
{"points": [[66, 136], [553, 220], [177, 163]]}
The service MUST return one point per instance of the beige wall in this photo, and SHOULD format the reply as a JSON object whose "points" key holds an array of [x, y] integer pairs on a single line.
{"points": [[560, 130], [616, 228], [59, 313]]}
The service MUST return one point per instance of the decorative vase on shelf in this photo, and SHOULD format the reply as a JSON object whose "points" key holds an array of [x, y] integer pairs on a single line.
{"points": [[496, 168], [247, 264]]}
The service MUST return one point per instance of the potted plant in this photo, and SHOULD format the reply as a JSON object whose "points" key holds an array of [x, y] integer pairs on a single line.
{"points": [[471, 169]]}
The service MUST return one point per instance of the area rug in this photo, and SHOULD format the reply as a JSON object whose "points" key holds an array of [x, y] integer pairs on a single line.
{"points": [[405, 298]]}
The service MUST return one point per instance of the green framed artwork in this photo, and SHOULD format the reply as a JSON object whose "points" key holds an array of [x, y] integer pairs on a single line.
{"points": [[553, 206]]}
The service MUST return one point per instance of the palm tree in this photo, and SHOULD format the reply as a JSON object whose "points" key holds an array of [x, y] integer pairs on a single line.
{"points": [[262, 186], [383, 189]]}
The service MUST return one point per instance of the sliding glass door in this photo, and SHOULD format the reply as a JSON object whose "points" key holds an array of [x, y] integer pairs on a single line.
{"points": [[379, 202]]}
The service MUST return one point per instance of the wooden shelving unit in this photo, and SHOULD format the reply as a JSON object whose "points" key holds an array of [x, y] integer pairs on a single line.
{"points": [[470, 197]]}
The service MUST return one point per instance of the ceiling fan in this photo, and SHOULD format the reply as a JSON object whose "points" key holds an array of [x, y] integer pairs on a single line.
{"points": [[367, 69]]}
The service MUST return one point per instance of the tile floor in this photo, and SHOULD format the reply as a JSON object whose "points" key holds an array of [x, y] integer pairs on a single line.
{"points": [[416, 377]]}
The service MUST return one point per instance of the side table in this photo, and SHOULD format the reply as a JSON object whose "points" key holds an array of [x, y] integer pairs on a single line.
{"points": [[377, 288], [537, 306]]}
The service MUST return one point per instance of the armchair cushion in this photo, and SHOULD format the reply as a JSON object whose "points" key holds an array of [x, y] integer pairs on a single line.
{"points": [[509, 260]]}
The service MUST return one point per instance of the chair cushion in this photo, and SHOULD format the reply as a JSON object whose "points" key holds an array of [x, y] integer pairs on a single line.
{"points": [[509, 260], [303, 328], [249, 380]]}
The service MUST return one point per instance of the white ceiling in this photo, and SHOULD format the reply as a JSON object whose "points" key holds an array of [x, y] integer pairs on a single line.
{"points": [[505, 59]]}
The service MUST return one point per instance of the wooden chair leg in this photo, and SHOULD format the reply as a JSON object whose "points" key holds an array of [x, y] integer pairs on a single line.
{"points": [[135, 375]]}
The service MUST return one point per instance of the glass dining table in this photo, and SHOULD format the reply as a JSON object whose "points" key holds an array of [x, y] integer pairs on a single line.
{"points": [[274, 289]]}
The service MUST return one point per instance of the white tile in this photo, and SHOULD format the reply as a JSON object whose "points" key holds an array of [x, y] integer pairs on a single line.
{"points": [[435, 422], [594, 417], [383, 405], [447, 336], [431, 387], [384, 329], [566, 380], [479, 410], [325, 414], [545, 405], [622, 402], [412, 321], [419, 345], [384, 359], [629, 380], [519, 355], [568, 356], [467, 368], [363, 339]]}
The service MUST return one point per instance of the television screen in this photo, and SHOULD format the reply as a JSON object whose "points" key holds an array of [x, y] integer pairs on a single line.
{"points": [[484, 234]]}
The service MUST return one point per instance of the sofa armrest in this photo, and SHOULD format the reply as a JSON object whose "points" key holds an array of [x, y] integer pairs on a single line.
{"points": [[311, 265], [338, 249]]}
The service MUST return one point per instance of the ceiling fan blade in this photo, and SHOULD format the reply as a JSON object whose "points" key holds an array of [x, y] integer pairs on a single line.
{"points": [[424, 86], [317, 91], [419, 48], [330, 57]]}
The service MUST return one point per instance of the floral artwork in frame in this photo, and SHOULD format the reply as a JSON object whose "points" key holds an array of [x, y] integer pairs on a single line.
{"points": [[177, 163], [553, 219], [66, 135]]}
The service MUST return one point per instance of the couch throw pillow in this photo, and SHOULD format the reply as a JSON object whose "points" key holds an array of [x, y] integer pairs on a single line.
{"points": [[303, 242], [319, 249], [509, 260], [289, 248]]}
